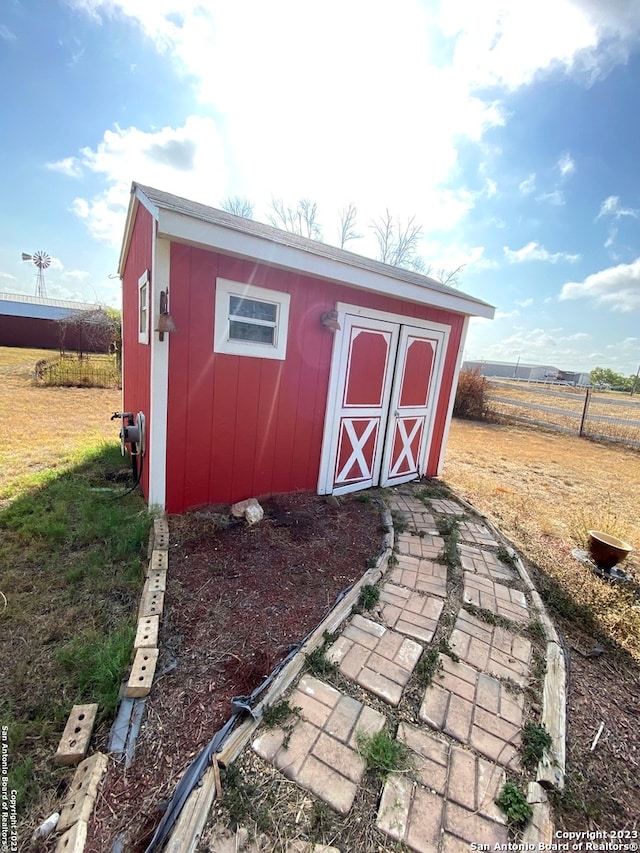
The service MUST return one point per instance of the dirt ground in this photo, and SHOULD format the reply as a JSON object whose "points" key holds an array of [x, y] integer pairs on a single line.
{"points": [[238, 598]]}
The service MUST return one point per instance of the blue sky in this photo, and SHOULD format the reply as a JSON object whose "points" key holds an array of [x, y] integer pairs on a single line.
{"points": [[510, 130]]}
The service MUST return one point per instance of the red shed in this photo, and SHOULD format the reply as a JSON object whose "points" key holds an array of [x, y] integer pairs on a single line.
{"points": [[294, 365]]}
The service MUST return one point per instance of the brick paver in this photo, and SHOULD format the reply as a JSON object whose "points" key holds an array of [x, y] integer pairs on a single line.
{"points": [[320, 753], [420, 575], [476, 710], [484, 563], [492, 649], [445, 787], [428, 547], [477, 534], [410, 613], [375, 657], [446, 507], [495, 597]]}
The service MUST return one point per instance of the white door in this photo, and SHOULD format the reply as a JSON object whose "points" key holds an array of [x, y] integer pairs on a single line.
{"points": [[412, 405], [385, 378]]}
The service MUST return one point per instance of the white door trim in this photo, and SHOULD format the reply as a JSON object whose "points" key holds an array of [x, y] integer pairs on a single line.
{"points": [[337, 372]]}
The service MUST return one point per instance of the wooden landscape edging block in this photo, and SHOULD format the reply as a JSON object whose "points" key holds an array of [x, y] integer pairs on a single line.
{"points": [[159, 561], [142, 672], [192, 819], [74, 839], [151, 603], [74, 742], [157, 580], [551, 768], [161, 533], [147, 632], [83, 791], [539, 830]]}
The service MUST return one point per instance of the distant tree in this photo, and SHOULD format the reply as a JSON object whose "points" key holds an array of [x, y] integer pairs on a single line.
{"points": [[605, 377], [398, 243], [238, 206], [95, 330], [302, 219], [347, 227]]}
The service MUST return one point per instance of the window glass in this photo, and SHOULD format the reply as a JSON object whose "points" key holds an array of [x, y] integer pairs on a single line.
{"points": [[258, 334], [239, 307], [143, 309]]}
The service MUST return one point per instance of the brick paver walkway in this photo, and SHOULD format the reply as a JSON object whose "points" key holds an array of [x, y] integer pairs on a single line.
{"points": [[376, 658], [491, 649], [468, 726], [495, 597], [320, 752], [484, 563], [447, 796], [475, 709], [410, 613], [421, 575]]}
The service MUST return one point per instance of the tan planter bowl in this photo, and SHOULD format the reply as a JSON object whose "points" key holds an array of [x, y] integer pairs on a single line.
{"points": [[606, 550]]}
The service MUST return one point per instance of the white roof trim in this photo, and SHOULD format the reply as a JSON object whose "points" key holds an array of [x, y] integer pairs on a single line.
{"points": [[188, 222]]}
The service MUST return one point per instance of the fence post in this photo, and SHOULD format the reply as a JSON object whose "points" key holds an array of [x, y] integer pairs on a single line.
{"points": [[587, 400]]}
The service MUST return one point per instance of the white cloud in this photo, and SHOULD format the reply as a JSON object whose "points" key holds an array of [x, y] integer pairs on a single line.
{"points": [[524, 303], [69, 166], [578, 336], [555, 197], [611, 207], [566, 165], [323, 143], [507, 315], [528, 186], [187, 160], [616, 288], [6, 34], [533, 251], [56, 264], [7, 276]]}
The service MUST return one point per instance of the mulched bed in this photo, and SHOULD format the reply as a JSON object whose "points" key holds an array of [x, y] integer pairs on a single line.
{"points": [[237, 599]]}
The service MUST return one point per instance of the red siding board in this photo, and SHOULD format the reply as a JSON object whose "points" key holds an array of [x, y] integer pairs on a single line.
{"points": [[136, 356], [250, 426]]}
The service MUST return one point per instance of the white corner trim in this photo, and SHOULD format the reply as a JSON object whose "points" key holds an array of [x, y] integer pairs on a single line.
{"points": [[159, 380], [454, 386]]}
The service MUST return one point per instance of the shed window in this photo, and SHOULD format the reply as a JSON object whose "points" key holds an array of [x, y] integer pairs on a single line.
{"points": [[143, 308], [250, 320]]}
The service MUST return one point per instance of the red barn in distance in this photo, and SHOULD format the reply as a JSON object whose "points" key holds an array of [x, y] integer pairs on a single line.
{"points": [[293, 366]]}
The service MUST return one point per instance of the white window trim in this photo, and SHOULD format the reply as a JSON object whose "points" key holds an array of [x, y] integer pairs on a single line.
{"points": [[253, 349], [143, 334]]}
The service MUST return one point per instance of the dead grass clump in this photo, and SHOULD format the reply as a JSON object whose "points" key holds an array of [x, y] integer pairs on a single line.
{"points": [[470, 402]]}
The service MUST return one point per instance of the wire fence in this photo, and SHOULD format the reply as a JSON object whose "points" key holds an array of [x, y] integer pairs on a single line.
{"points": [[90, 371], [605, 415]]}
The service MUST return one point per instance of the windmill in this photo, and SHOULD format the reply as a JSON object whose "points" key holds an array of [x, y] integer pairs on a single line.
{"points": [[42, 262]]}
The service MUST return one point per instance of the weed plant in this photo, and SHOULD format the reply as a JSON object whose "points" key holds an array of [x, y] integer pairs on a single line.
{"points": [[382, 752], [470, 401], [535, 740], [427, 667], [369, 596], [514, 804]]}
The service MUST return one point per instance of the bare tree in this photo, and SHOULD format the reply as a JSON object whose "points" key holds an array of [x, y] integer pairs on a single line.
{"points": [[398, 243], [302, 219], [347, 227], [92, 330], [238, 205], [449, 277]]}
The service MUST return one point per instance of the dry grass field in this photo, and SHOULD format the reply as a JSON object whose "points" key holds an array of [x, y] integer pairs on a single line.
{"points": [[43, 428]]}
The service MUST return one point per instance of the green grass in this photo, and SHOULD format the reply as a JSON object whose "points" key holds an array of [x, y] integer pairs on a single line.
{"points": [[427, 666], [382, 752], [369, 596], [71, 558]]}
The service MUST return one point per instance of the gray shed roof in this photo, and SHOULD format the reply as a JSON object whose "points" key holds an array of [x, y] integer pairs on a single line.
{"points": [[158, 201]]}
